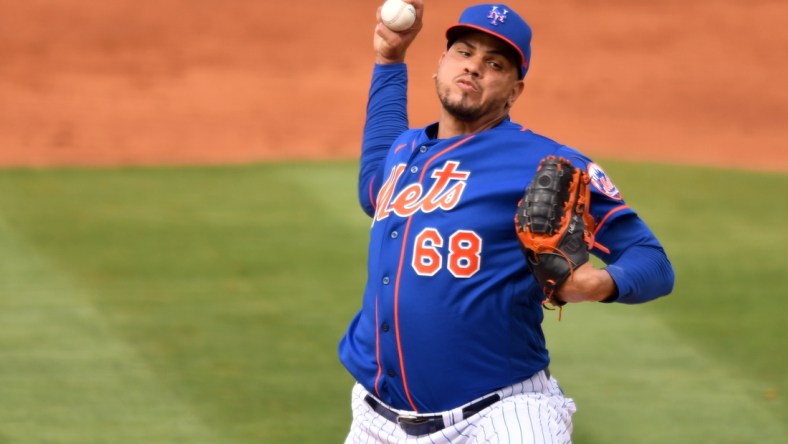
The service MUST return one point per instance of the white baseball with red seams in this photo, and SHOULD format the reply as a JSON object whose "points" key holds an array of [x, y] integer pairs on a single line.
{"points": [[397, 15]]}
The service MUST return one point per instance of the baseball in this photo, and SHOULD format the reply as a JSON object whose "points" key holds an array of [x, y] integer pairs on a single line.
{"points": [[397, 15]]}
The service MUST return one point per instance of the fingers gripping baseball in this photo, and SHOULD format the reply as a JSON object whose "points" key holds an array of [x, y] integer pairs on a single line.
{"points": [[390, 46], [554, 224]]}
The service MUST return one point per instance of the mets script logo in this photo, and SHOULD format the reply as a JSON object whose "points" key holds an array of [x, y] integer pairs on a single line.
{"points": [[443, 193], [602, 182], [497, 15]]}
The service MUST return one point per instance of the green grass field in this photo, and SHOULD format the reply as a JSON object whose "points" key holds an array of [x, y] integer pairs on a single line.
{"points": [[204, 305]]}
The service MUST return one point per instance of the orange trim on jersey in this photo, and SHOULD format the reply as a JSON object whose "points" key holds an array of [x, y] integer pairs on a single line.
{"points": [[602, 223], [396, 316], [377, 348], [371, 195], [607, 216], [424, 168], [399, 277], [600, 247], [399, 147]]}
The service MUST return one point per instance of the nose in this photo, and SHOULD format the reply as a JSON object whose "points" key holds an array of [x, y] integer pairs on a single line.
{"points": [[473, 70], [473, 66]]}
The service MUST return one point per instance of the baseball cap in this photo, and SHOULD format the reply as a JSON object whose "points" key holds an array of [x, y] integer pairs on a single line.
{"points": [[499, 21]]}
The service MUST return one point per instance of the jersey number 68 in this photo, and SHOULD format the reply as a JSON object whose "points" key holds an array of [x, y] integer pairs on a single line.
{"points": [[463, 258]]}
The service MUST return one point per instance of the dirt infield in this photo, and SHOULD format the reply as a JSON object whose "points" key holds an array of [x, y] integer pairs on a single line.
{"points": [[204, 81]]}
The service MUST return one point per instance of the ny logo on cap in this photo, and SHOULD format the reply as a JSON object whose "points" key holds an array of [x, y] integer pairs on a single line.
{"points": [[497, 16]]}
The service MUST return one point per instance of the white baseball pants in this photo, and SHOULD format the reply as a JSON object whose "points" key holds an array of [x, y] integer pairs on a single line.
{"points": [[533, 411]]}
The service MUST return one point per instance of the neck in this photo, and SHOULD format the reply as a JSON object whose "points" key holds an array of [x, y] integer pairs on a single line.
{"points": [[449, 126]]}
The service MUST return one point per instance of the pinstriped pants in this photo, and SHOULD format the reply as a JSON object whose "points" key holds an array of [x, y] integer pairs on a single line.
{"points": [[533, 411]]}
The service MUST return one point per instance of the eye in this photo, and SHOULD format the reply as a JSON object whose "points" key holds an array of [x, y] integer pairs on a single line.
{"points": [[494, 64]]}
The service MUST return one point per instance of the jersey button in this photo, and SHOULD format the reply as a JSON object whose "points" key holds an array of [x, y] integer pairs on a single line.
{"points": [[414, 169], [392, 373], [394, 234], [385, 280], [385, 327], [423, 149]]}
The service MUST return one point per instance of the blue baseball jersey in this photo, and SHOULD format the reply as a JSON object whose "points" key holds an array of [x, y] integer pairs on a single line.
{"points": [[451, 311]]}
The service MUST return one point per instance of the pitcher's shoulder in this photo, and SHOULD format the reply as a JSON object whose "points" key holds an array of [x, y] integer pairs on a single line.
{"points": [[516, 130], [536, 143]]}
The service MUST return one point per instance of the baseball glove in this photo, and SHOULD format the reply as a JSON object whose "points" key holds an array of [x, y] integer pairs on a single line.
{"points": [[554, 224]]}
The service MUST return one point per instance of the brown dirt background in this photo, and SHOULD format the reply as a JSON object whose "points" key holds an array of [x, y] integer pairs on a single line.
{"points": [[122, 82]]}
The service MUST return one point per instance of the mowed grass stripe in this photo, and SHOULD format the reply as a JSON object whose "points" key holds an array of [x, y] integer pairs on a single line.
{"points": [[65, 376], [636, 380], [725, 233], [234, 284]]}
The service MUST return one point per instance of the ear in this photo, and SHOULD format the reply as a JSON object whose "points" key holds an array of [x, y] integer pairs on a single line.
{"points": [[517, 89], [440, 61]]}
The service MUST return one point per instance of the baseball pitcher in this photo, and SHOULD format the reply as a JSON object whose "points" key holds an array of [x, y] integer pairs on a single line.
{"points": [[478, 225]]}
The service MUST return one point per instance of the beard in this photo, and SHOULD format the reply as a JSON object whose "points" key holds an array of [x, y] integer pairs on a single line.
{"points": [[461, 109], [464, 108]]}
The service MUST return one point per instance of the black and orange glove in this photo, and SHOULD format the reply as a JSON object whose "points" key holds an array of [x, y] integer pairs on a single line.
{"points": [[554, 224]]}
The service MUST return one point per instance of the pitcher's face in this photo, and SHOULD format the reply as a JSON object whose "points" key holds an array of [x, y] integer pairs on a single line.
{"points": [[478, 77]]}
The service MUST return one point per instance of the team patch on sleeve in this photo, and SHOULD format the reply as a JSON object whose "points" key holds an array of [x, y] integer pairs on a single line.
{"points": [[602, 182]]}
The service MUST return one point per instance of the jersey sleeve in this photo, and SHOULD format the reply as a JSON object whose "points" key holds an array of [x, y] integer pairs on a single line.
{"points": [[637, 262], [633, 255], [387, 118]]}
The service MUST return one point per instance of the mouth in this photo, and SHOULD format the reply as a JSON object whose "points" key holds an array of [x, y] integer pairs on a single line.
{"points": [[466, 84]]}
